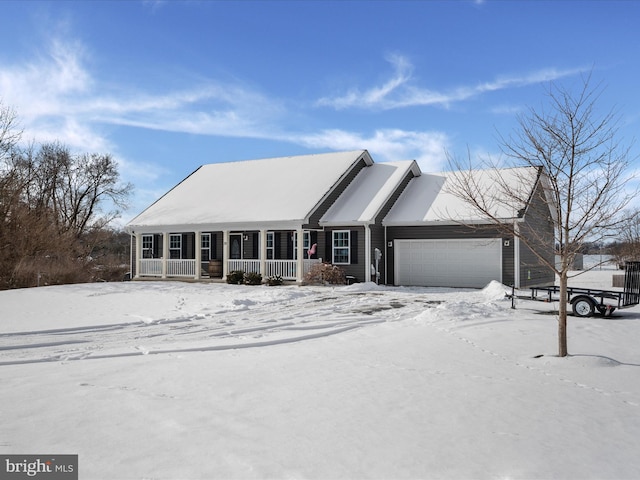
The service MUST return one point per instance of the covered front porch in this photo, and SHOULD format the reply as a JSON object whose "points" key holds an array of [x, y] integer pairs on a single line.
{"points": [[213, 254]]}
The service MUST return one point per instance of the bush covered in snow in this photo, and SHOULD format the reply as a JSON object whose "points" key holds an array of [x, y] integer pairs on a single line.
{"points": [[275, 280], [235, 277], [252, 278]]}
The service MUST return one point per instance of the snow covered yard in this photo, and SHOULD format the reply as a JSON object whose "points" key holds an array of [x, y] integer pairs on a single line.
{"points": [[154, 380]]}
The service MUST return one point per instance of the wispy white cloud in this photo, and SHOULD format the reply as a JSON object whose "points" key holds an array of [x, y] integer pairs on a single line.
{"points": [[399, 91], [377, 95], [427, 148], [57, 97], [506, 109], [46, 92], [212, 109], [37, 87]]}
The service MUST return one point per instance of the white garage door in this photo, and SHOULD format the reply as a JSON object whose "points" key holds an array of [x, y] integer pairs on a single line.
{"points": [[448, 263]]}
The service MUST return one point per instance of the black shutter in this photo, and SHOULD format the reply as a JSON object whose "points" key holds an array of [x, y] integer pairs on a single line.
{"points": [[328, 242], [277, 254], [289, 240], [214, 250], [255, 240], [188, 240], [354, 246], [157, 246]]}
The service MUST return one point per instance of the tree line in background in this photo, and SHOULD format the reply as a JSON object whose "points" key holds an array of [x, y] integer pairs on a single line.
{"points": [[626, 246], [56, 208]]}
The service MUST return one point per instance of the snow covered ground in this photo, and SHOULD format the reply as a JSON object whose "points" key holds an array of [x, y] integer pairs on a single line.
{"points": [[169, 380]]}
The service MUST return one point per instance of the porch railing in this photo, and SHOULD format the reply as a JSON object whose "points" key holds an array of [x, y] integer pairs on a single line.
{"points": [[284, 268], [152, 267], [181, 268], [247, 266]]}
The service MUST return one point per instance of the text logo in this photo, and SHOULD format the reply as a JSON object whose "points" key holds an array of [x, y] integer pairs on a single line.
{"points": [[44, 467]]}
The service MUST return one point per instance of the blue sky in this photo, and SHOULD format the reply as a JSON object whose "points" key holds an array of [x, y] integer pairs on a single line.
{"points": [[166, 86]]}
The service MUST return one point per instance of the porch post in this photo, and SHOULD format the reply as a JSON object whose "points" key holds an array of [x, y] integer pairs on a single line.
{"points": [[300, 261], [367, 253], [138, 239], [385, 257], [516, 256], [225, 254], [165, 253], [263, 252], [198, 255]]}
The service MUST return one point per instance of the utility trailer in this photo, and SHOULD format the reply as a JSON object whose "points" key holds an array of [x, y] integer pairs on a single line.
{"points": [[585, 302]]}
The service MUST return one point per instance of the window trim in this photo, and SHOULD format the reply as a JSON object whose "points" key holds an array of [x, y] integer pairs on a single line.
{"points": [[207, 237], [306, 244], [335, 249], [173, 248], [147, 252]]}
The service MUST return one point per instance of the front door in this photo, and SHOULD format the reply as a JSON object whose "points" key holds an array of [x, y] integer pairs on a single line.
{"points": [[235, 246]]}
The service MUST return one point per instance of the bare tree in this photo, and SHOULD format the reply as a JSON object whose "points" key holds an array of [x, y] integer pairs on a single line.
{"points": [[10, 182], [83, 191], [584, 175], [55, 207], [9, 132]]}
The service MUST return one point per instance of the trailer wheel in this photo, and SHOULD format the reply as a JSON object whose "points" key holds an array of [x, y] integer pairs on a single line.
{"points": [[583, 307]]}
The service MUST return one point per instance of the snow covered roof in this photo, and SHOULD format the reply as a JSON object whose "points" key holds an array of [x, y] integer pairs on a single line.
{"points": [[429, 198], [284, 192], [274, 192], [365, 196]]}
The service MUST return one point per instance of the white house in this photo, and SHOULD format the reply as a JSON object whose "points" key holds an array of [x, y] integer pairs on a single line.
{"points": [[278, 216]]}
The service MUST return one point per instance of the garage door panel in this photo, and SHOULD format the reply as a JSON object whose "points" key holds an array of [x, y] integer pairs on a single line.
{"points": [[456, 263]]}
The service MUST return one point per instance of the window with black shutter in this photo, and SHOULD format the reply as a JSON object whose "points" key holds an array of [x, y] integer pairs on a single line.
{"points": [[205, 247], [175, 246], [147, 246], [341, 248]]}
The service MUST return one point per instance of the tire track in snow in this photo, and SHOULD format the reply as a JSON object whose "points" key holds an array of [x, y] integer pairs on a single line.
{"points": [[266, 343], [302, 318]]}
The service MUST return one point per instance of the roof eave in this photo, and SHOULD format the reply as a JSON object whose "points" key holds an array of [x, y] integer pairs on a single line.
{"points": [[346, 223], [217, 227], [448, 222]]}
